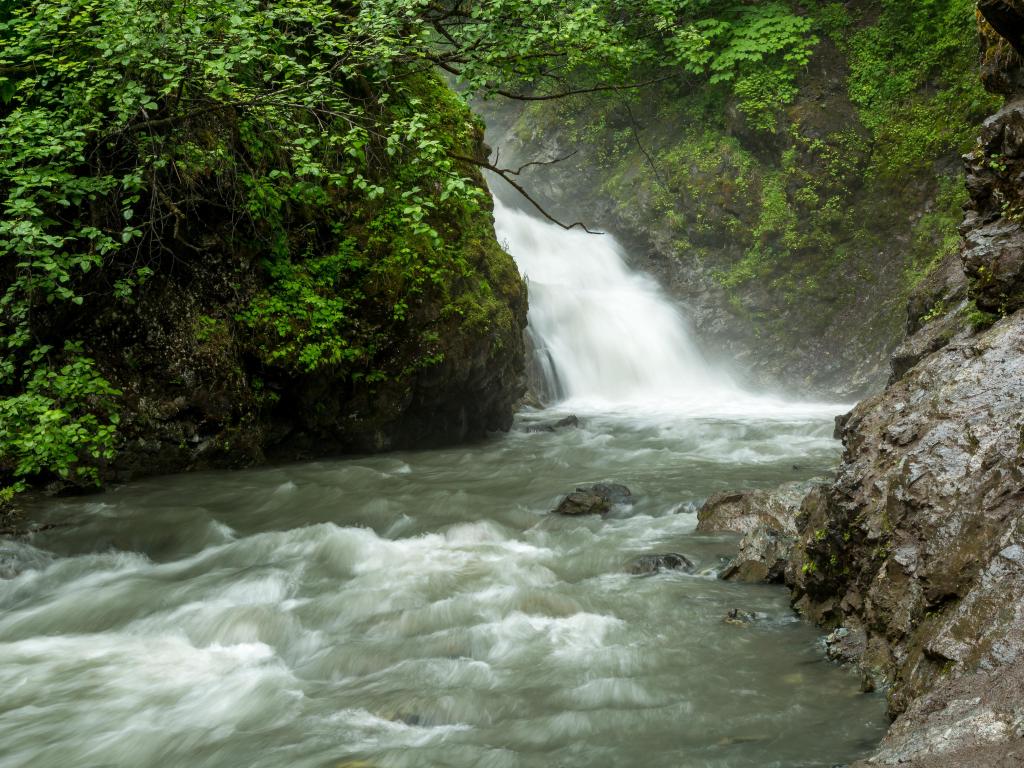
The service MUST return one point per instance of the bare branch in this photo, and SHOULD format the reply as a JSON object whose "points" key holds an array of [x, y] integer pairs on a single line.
{"points": [[578, 91], [532, 163], [507, 174], [643, 150]]}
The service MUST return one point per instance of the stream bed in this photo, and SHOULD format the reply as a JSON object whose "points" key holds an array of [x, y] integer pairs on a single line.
{"points": [[424, 609]]}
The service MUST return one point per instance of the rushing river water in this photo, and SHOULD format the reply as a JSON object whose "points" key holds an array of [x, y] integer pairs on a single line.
{"points": [[423, 609]]}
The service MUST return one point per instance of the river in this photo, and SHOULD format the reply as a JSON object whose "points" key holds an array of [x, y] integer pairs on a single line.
{"points": [[424, 608]]}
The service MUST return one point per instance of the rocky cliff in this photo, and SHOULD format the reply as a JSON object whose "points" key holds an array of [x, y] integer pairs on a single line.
{"points": [[914, 555], [210, 359], [272, 306]]}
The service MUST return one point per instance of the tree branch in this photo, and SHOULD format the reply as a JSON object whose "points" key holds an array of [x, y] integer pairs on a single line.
{"points": [[643, 150], [507, 174], [578, 91]]}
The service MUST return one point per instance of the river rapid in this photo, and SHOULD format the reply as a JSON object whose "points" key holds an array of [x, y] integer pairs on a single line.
{"points": [[424, 608]]}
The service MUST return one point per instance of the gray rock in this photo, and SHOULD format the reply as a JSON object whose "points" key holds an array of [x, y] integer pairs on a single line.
{"points": [[569, 421], [763, 556], [746, 511], [668, 561], [597, 499]]}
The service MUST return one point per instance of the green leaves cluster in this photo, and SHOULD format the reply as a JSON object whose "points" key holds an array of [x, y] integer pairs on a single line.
{"points": [[62, 422], [130, 124]]}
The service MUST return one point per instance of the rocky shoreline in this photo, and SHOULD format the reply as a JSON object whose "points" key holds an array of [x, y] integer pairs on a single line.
{"points": [[913, 556]]}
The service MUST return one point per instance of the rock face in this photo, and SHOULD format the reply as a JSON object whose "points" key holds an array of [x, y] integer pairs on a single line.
{"points": [[994, 256], [206, 385], [916, 551]]}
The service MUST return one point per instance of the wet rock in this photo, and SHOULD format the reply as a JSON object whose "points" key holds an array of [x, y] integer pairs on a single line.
{"points": [[908, 544], [976, 721], [763, 556], [741, 618], [668, 561], [597, 499], [568, 422], [582, 503], [845, 646], [745, 511]]}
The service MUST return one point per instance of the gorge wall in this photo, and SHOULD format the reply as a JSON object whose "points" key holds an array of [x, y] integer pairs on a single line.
{"points": [[792, 220], [254, 295], [914, 555]]}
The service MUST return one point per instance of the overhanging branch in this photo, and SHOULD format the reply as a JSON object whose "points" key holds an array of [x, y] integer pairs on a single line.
{"points": [[508, 173]]}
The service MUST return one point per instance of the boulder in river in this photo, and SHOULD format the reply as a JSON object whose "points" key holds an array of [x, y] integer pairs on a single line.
{"points": [[740, 618], [568, 422], [744, 511], [763, 557], [644, 565], [597, 499]]}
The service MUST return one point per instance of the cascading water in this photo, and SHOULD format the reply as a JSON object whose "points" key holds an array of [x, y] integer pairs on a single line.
{"points": [[607, 338], [605, 333]]}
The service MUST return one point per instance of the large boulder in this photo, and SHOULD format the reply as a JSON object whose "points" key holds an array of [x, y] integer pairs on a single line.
{"points": [[763, 556], [745, 511]]}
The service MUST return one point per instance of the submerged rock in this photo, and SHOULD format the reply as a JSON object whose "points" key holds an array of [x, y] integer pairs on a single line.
{"points": [[597, 499], [740, 618], [569, 421], [644, 565]]}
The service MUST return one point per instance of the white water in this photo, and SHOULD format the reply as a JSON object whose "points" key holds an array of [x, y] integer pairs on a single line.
{"points": [[608, 338]]}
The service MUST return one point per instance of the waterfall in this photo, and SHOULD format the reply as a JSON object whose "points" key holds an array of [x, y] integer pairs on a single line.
{"points": [[600, 332]]}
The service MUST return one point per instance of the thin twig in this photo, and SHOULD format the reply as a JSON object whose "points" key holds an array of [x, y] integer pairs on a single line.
{"points": [[507, 174]]}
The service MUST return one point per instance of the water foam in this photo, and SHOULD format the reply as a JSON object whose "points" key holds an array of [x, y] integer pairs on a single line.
{"points": [[608, 339]]}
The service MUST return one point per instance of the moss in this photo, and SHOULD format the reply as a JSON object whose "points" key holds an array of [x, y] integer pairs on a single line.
{"points": [[378, 285]]}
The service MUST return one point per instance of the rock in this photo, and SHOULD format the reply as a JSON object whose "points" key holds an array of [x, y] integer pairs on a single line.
{"points": [[763, 556], [582, 503], [845, 645], [569, 421], [597, 499], [644, 565], [740, 618], [745, 511], [976, 721], [908, 542], [767, 518]]}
